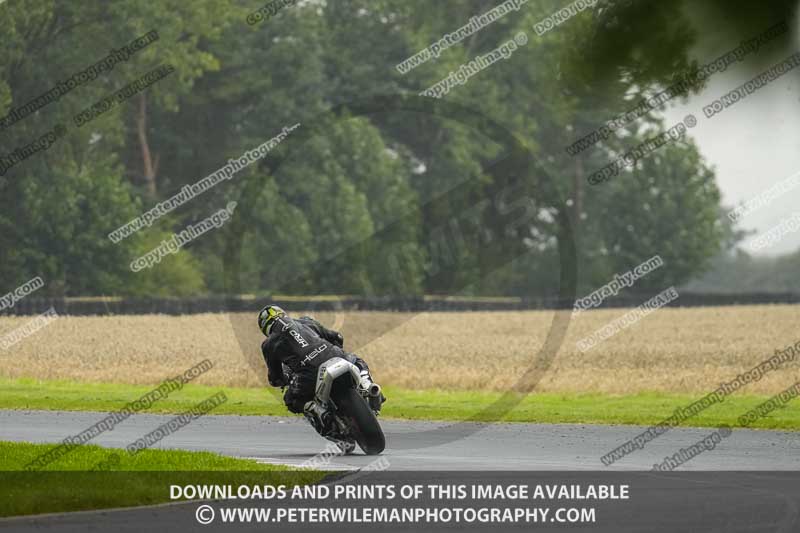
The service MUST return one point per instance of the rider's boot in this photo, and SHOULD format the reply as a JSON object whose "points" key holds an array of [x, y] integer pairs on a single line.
{"points": [[320, 418]]}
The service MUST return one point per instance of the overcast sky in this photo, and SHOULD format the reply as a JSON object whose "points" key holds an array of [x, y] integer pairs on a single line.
{"points": [[752, 144]]}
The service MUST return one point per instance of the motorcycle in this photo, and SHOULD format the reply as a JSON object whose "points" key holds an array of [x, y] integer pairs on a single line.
{"points": [[353, 405]]}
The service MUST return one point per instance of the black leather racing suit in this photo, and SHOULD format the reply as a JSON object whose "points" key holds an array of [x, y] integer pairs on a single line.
{"points": [[301, 344]]}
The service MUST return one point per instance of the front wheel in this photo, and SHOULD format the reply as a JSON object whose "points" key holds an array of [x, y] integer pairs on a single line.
{"points": [[365, 427]]}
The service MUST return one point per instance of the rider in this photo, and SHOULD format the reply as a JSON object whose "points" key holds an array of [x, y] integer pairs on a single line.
{"points": [[302, 344]]}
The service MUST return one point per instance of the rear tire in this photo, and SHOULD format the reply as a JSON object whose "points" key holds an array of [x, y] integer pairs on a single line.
{"points": [[366, 429]]}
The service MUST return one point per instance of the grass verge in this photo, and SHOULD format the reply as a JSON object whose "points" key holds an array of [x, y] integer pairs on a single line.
{"points": [[142, 479], [640, 409]]}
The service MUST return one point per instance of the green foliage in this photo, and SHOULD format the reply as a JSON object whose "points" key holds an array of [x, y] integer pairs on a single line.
{"points": [[738, 271], [343, 202], [435, 404], [91, 478], [675, 186]]}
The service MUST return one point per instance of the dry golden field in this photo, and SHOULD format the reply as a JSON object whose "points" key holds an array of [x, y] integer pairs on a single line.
{"points": [[671, 350]]}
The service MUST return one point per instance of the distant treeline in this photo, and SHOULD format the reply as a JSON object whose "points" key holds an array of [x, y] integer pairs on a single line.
{"points": [[474, 193], [185, 306]]}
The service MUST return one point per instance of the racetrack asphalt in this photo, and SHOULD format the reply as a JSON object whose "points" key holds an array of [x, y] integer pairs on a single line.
{"points": [[424, 446]]}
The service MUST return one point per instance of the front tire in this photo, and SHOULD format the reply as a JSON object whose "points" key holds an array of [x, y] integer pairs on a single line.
{"points": [[366, 429]]}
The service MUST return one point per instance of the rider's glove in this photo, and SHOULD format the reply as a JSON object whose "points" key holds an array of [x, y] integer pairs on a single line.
{"points": [[339, 340]]}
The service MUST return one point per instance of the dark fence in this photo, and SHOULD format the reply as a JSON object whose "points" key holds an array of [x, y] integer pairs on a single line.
{"points": [[184, 306]]}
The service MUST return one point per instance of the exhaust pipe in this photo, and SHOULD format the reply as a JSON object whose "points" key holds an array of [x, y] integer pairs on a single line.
{"points": [[374, 397]]}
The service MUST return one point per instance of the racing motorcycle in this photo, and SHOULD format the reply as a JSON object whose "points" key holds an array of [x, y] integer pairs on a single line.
{"points": [[354, 407]]}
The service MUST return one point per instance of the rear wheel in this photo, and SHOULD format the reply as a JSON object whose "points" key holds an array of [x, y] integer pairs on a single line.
{"points": [[366, 429]]}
